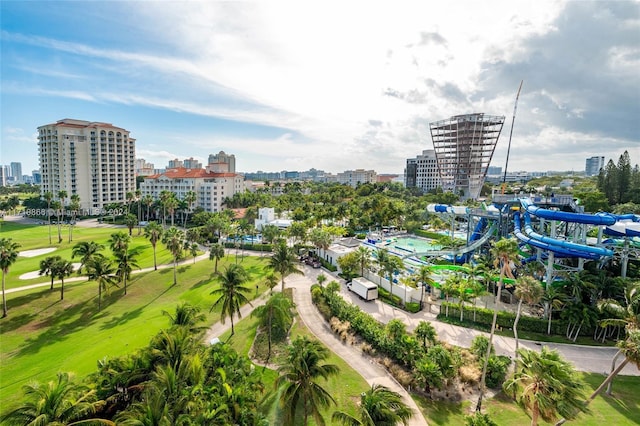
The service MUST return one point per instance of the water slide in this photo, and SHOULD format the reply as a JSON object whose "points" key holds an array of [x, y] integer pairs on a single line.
{"points": [[561, 247], [461, 250]]}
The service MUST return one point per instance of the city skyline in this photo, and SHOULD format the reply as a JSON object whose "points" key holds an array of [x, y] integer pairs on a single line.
{"points": [[330, 86]]}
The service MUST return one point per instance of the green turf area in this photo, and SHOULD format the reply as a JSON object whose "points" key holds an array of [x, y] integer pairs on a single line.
{"points": [[36, 236], [43, 335], [622, 408]]}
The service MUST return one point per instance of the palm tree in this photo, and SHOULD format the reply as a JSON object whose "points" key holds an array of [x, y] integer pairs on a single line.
{"points": [[131, 221], [60, 402], [504, 252], [379, 406], [171, 205], [126, 261], [230, 293], [190, 197], [62, 196], [363, 258], [271, 280], [74, 207], [321, 278], [426, 332], [101, 270], [8, 256], [283, 261], [193, 250], [62, 269], [382, 257], [138, 198], [147, 200], [299, 376], [119, 245], [48, 196], [186, 315], [153, 231], [216, 252], [554, 298], [528, 290], [173, 238], [547, 385], [425, 276], [429, 374], [276, 315], [86, 250], [57, 208], [46, 267]]}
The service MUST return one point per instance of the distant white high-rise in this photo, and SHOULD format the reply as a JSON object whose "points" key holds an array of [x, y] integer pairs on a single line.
{"points": [[422, 171], [91, 159], [593, 166]]}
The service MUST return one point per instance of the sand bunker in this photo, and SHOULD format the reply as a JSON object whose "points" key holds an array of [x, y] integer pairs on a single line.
{"points": [[35, 274], [36, 252]]}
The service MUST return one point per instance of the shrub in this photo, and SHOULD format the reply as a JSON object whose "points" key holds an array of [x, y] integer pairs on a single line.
{"points": [[497, 370], [479, 346], [412, 307], [470, 374]]}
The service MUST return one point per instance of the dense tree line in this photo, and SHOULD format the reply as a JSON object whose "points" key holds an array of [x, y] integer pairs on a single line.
{"points": [[620, 182]]}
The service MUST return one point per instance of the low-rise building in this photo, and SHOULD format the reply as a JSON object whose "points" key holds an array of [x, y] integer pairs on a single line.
{"points": [[211, 188]]}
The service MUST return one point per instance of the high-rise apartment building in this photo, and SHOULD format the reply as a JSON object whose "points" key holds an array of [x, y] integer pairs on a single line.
{"points": [[593, 166], [221, 163], [91, 159], [422, 171], [16, 171], [191, 163], [464, 146]]}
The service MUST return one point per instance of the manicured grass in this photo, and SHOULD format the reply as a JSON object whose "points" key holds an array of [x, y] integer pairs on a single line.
{"points": [[345, 387], [43, 335], [36, 236], [622, 408]]}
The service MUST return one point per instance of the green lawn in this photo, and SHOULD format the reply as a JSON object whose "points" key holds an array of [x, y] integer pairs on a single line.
{"points": [[43, 335], [36, 236], [622, 408]]}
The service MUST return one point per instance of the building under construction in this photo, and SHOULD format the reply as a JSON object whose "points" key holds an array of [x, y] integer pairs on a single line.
{"points": [[464, 146]]}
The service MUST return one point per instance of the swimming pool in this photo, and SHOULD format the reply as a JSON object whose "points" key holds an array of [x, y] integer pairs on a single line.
{"points": [[415, 245]]}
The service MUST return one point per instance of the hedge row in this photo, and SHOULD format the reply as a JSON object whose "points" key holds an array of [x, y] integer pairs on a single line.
{"points": [[505, 319]]}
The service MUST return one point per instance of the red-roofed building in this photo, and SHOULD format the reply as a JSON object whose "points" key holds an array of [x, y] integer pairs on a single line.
{"points": [[211, 188]]}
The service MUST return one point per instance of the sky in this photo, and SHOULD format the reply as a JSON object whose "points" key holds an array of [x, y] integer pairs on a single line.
{"points": [[331, 85]]}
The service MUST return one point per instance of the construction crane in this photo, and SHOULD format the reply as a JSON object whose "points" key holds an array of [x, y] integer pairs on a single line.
{"points": [[513, 120]]}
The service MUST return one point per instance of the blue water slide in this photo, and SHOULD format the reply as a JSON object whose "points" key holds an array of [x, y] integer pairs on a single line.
{"points": [[477, 232], [545, 245], [623, 229], [567, 245], [589, 219]]}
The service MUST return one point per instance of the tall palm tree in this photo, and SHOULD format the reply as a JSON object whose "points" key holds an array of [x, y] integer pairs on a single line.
{"points": [[119, 245], [101, 270], [147, 200], [363, 258], [553, 298], [153, 232], [382, 257], [547, 385], [528, 290], [86, 250], [48, 196], [138, 199], [46, 267], [60, 402], [62, 269], [62, 196], [57, 207], [172, 204], [271, 280], [126, 261], [74, 206], [8, 256], [190, 197], [276, 315], [425, 276], [283, 261], [173, 238], [299, 376], [503, 252], [230, 292], [379, 406], [193, 250], [216, 252]]}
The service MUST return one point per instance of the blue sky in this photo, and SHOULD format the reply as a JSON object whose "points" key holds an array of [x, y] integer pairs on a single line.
{"points": [[332, 85]]}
